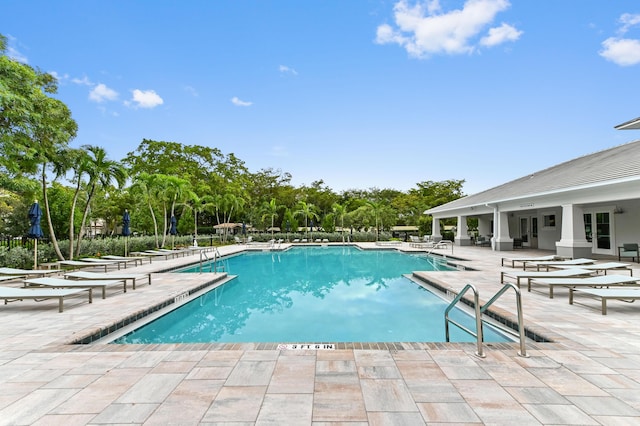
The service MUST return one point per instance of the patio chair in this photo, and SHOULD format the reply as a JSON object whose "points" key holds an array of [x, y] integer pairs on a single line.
{"points": [[11, 294], [629, 250], [556, 273], [27, 272], [82, 275], [593, 281], [628, 295], [483, 241], [560, 263], [53, 283]]}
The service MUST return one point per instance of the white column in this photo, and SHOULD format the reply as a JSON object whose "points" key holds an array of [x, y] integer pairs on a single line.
{"points": [[501, 240], [462, 232], [435, 229], [573, 241]]}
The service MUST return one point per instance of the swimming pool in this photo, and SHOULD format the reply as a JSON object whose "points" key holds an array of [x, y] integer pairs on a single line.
{"points": [[313, 294]]}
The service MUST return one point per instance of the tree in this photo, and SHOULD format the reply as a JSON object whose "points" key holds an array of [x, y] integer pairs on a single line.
{"points": [[102, 172], [198, 205], [34, 127], [339, 212], [307, 211], [271, 211], [144, 185]]}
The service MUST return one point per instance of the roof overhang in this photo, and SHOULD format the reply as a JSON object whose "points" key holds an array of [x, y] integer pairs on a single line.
{"points": [[629, 125]]}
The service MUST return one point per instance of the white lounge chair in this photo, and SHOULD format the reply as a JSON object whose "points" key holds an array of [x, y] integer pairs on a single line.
{"points": [[523, 260], [604, 267], [153, 254], [83, 275], [592, 281], [79, 264], [531, 275], [604, 294], [560, 263], [103, 261], [11, 294], [127, 259], [28, 272], [62, 283]]}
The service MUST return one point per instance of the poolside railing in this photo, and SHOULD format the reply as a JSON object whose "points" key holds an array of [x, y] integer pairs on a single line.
{"points": [[479, 311]]}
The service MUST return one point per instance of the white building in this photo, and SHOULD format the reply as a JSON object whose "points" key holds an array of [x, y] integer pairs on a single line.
{"points": [[584, 206]]}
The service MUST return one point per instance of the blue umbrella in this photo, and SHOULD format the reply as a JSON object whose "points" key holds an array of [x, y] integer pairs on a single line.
{"points": [[35, 232], [173, 230], [126, 221], [35, 214]]}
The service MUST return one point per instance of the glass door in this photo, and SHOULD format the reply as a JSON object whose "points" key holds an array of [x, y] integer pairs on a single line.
{"points": [[524, 231], [603, 232], [598, 227]]}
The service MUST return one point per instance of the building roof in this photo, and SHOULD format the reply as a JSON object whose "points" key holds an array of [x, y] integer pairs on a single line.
{"points": [[620, 163], [629, 125]]}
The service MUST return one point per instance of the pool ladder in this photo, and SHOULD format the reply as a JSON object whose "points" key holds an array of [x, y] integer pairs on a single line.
{"points": [[479, 311], [213, 266]]}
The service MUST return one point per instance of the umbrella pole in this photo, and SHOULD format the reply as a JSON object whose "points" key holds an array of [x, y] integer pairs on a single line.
{"points": [[125, 246], [35, 254]]}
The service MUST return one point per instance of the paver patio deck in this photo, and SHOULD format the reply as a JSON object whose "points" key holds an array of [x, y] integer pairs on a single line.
{"points": [[589, 374]]}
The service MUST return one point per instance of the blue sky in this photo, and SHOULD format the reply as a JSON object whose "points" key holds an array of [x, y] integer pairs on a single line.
{"points": [[358, 93]]}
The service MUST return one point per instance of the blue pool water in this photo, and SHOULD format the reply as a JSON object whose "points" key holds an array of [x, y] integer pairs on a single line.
{"points": [[313, 294]]}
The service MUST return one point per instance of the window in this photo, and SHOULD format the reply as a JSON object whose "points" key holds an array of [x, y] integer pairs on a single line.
{"points": [[549, 221]]}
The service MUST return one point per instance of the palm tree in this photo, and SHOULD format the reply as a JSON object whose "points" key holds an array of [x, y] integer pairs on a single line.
{"points": [[198, 205], [376, 209], [271, 209], [340, 211], [144, 185], [79, 158], [101, 172], [173, 190], [306, 210]]}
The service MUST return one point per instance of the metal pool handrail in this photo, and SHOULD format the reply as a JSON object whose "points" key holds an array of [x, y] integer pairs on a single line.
{"points": [[476, 302], [213, 267], [507, 286], [481, 310]]}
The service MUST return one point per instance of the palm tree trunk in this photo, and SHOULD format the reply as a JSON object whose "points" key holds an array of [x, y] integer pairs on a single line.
{"points": [[85, 214], [72, 215], [52, 233], [155, 222]]}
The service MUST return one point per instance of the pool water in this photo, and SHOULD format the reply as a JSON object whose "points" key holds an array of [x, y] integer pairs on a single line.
{"points": [[313, 294]]}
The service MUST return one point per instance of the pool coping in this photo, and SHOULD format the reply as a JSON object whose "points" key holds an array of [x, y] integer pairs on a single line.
{"points": [[536, 335]]}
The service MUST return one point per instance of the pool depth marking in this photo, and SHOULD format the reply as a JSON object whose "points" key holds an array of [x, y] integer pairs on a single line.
{"points": [[305, 346]]}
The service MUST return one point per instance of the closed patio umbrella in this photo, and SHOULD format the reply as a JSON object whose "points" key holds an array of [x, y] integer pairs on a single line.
{"points": [[126, 231], [173, 230], [35, 232]]}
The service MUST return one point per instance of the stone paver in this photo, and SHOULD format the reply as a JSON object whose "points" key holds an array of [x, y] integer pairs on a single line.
{"points": [[589, 373]]}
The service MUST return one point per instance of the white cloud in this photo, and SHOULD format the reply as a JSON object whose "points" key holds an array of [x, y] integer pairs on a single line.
{"points": [[628, 20], [84, 81], [237, 102], [423, 30], [286, 70], [59, 77], [621, 51], [13, 53], [499, 35], [145, 99], [102, 93], [191, 90]]}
